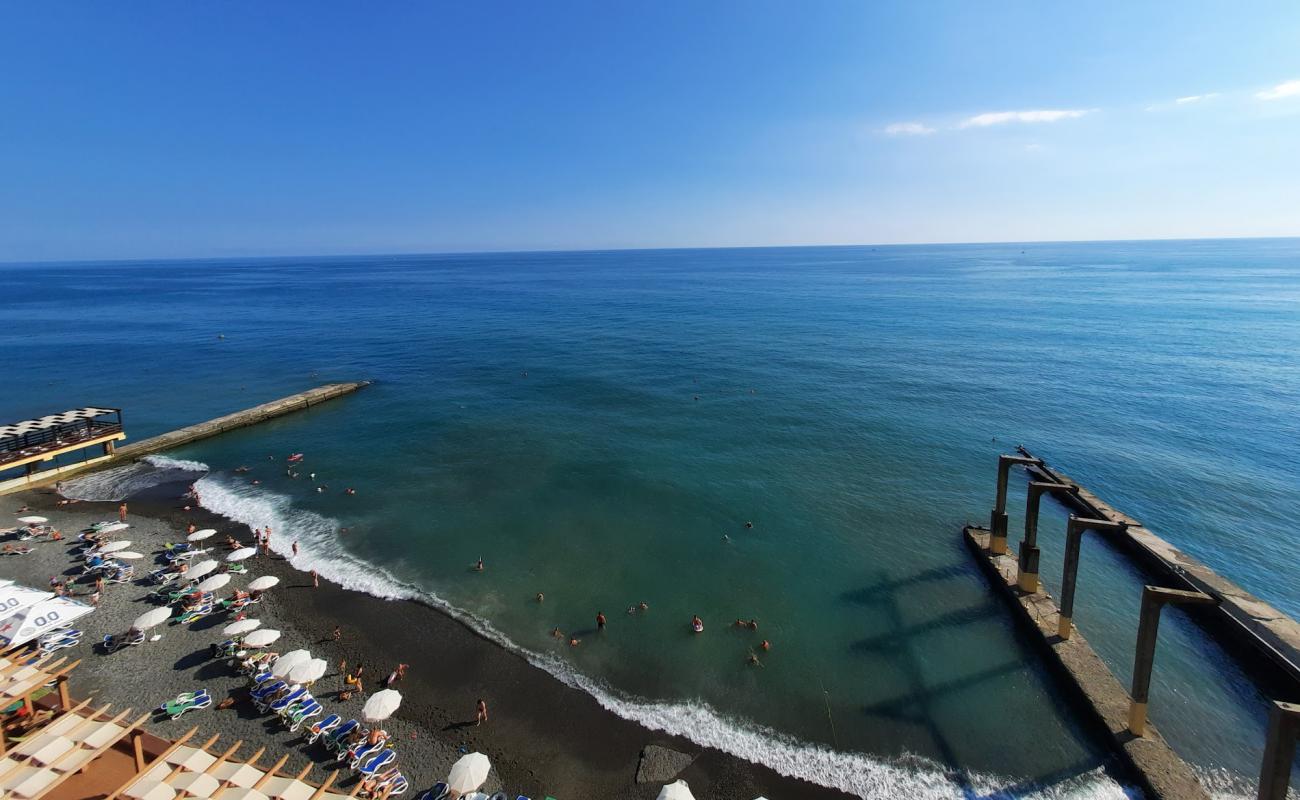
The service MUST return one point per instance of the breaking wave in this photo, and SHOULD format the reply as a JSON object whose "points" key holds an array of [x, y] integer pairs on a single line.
{"points": [[866, 776], [119, 483]]}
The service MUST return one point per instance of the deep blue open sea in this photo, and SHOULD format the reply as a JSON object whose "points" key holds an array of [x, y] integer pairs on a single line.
{"points": [[600, 427]]}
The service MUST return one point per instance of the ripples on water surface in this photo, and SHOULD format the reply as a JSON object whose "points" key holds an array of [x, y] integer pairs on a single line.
{"points": [[844, 400]]}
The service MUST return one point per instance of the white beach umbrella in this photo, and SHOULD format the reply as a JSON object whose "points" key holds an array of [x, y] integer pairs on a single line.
{"points": [[285, 663], [202, 568], [199, 536], [151, 618], [242, 553], [262, 637], [128, 555], [677, 790], [308, 671], [381, 706], [214, 583], [113, 528], [241, 627], [468, 773], [33, 520], [113, 547], [263, 583], [39, 618]]}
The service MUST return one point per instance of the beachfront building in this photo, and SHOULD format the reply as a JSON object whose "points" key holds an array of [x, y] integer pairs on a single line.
{"points": [[54, 749], [37, 449]]}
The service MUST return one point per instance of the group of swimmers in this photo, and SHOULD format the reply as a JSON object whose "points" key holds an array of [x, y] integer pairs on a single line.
{"points": [[697, 626]]}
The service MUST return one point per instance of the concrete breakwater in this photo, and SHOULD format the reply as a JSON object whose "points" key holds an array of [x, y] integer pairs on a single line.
{"points": [[192, 433], [1267, 641]]}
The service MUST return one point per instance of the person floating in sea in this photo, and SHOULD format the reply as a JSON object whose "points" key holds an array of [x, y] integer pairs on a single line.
{"points": [[766, 645], [557, 633], [753, 660], [697, 624], [600, 620], [643, 605], [574, 641], [749, 525], [479, 566], [241, 469], [349, 490], [540, 597]]}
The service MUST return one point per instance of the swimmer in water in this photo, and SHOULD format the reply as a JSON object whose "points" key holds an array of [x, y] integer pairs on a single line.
{"points": [[557, 633], [753, 660], [256, 482], [697, 624], [644, 606], [540, 598], [349, 490], [479, 566], [766, 645], [574, 642], [749, 525]]}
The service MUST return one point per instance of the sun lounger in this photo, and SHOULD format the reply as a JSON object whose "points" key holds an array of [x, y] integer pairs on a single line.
{"points": [[295, 694], [324, 726], [390, 784], [309, 710], [113, 643], [376, 763], [438, 792], [186, 701], [333, 740], [364, 751]]}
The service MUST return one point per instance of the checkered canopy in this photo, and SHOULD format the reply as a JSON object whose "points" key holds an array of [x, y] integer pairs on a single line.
{"points": [[52, 421]]}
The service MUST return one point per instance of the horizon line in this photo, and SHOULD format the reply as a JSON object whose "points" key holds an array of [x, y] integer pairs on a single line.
{"points": [[559, 250]]}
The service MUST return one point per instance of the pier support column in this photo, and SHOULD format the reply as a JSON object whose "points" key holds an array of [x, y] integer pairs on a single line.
{"points": [[1074, 531], [1027, 565], [109, 447], [1154, 598], [1279, 751], [998, 519]]}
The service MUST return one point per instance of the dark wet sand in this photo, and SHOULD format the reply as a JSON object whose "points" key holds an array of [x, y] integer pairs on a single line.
{"points": [[543, 737]]}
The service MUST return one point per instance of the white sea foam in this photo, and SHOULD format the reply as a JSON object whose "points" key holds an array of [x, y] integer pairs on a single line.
{"points": [[866, 776], [119, 483]]}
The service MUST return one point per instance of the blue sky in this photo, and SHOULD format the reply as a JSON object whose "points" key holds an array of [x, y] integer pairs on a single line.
{"points": [[240, 128]]}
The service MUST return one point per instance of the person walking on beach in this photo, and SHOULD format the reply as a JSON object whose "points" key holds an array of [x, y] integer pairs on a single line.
{"points": [[338, 634], [481, 713], [600, 620], [315, 580], [121, 513]]}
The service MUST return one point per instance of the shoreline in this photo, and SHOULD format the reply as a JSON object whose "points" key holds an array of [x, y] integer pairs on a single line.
{"points": [[543, 736]]}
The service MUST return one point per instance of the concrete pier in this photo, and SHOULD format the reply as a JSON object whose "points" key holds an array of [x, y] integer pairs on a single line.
{"points": [[203, 430], [1159, 770], [1271, 637]]}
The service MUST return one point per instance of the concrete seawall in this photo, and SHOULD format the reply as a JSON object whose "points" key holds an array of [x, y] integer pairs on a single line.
{"points": [[193, 433]]}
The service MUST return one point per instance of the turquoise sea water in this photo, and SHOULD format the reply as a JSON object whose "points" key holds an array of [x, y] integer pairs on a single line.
{"points": [[594, 424]]}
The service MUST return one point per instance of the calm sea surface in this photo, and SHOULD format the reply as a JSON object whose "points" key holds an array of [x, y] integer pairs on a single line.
{"points": [[600, 427]]}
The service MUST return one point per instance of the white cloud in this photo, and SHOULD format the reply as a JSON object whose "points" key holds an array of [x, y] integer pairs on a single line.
{"points": [[908, 129], [1002, 117], [1195, 98], [1284, 89]]}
